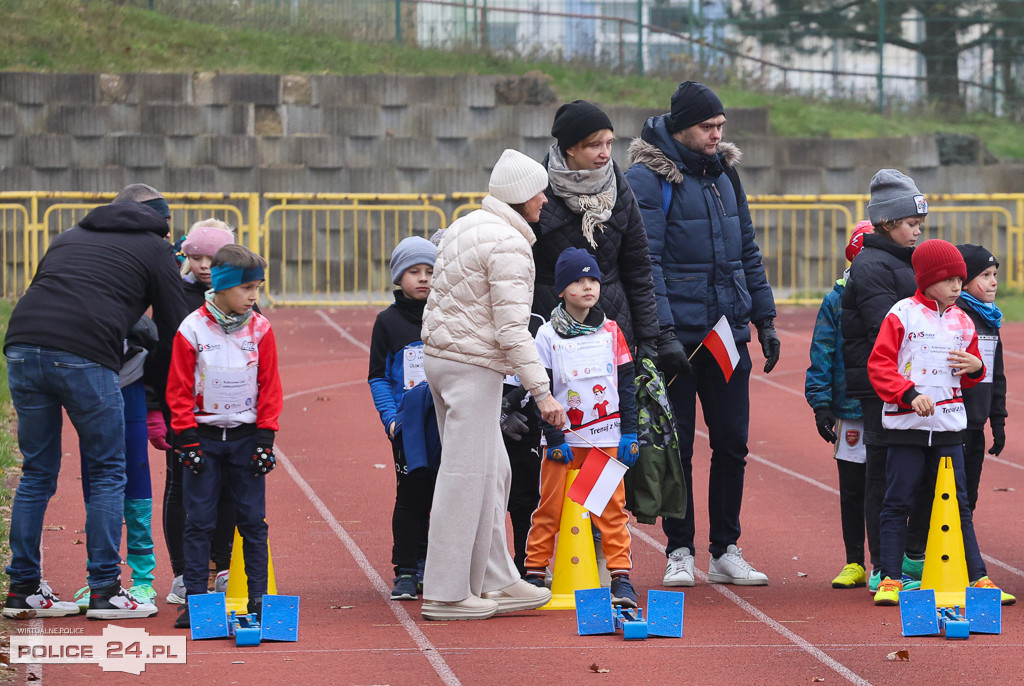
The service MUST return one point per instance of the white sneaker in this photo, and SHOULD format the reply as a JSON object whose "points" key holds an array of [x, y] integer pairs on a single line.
{"points": [[120, 605], [177, 594], [731, 568], [472, 607], [220, 583], [42, 602], [679, 570], [518, 596]]}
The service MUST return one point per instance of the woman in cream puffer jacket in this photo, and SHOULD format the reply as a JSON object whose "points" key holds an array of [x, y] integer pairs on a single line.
{"points": [[474, 332]]}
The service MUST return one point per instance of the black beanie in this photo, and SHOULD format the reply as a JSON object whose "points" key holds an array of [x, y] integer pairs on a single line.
{"points": [[977, 258], [572, 265], [576, 120], [693, 103]]}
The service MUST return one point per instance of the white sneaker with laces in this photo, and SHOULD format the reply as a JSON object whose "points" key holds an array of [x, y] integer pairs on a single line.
{"points": [[119, 605], [679, 570], [177, 594], [731, 568], [42, 602], [220, 582]]}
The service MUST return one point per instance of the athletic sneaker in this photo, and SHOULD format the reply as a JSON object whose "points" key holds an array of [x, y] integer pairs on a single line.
{"points": [[1004, 599], [177, 594], [518, 596], [28, 603], [472, 607], [888, 592], [182, 621], [852, 576], [404, 587], [535, 579], [255, 607], [114, 602], [420, 566], [144, 592], [220, 582], [623, 594], [82, 597], [874, 580], [913, 568], [731, 568], [910, 584], [679, 570]]}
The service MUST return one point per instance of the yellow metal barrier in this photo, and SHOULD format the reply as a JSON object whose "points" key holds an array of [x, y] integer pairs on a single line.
{"points": [[337, 252]]}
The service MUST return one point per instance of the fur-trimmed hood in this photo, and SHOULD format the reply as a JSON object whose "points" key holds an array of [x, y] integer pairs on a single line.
{"points": [[655, 149]]}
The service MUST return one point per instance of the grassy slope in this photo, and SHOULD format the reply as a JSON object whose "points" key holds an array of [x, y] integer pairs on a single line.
{"points": [[89, 36]]}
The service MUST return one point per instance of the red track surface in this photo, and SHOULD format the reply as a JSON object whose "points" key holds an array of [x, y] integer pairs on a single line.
{"points": [[329, 508]]}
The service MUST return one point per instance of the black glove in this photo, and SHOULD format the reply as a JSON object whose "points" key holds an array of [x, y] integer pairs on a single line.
{"points": [[513, 422], [671, 355], [188, 452], [647, 348], [998, 439], [263, 461], [770, 344], [826, 423]]}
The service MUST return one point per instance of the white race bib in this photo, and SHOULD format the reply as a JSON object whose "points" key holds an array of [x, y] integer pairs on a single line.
{"points": [[412, 367], [931, 364], [227, 390], [585, 357], [987, 346]]}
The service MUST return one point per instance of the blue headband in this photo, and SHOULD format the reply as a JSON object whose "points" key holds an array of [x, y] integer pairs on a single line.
{"points": [[160, 205], [225, 276]]}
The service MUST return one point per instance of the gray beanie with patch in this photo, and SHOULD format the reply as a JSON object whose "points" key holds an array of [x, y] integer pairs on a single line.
{"points": [[894, 195], [410, 252]]}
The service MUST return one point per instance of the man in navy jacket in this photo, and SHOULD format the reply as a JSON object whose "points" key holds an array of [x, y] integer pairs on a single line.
{"points": [[706, 264]]}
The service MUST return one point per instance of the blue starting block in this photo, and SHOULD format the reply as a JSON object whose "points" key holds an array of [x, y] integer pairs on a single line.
{"points": [[209, 618], [920, 616], [596, 615]]}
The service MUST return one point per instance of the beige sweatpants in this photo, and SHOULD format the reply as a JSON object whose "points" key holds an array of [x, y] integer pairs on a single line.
{"points": [[467, 549]]}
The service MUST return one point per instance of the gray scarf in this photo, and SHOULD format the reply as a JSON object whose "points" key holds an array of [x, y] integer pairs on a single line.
{"points": [[590, 192]]}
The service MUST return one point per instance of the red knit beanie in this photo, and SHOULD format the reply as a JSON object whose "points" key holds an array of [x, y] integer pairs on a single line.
{"points": [[937, 260]]}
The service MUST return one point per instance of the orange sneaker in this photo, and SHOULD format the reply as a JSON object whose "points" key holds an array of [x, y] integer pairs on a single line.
{"points": [[888, 592], [1004, 599]]}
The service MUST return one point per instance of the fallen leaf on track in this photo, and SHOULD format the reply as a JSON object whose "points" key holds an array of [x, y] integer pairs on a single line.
{"points": [[379, 466], [77, 541], [801, 574], [1002, 489], [598, 670], [818, 678], [901, 655], [342, 607], [53, 527]]}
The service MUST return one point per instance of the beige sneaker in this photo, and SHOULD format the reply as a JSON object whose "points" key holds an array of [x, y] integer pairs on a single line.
{"points": [[518, 596], [472, 607]]}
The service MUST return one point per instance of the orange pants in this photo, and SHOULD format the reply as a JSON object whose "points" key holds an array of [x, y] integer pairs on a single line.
{"points": [[540, 544]]}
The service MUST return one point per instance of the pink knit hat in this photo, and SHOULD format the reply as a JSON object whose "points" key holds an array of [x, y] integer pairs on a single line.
{"points": [[206, 240]]}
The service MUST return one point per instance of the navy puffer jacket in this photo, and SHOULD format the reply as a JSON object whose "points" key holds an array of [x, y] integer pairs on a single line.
{"points": [[705, 259], [880, 276], [627, 291]]}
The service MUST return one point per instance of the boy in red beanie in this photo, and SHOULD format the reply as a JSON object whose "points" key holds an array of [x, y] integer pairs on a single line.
{"points": [[925, 353]]}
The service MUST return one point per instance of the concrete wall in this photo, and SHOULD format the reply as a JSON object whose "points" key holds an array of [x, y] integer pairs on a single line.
{"points": [[253, 132]]}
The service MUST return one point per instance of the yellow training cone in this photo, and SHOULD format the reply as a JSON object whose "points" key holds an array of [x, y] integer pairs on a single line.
{"points": [[237, 595], [945, 565], [575, 561]]}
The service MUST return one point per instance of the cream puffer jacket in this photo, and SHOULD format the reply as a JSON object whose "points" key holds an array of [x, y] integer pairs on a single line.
{"points": [[480, 299]]}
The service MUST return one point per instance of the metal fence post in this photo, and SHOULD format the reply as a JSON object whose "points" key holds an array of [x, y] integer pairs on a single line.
{"points": [[640, 37], [398, 21]]}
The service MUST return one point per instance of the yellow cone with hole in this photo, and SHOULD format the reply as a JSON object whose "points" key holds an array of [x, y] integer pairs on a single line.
{"points": [[945, 565], [575, 561], [237, 594]]}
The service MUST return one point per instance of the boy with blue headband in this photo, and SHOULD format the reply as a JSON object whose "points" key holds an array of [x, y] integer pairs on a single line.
{"points": [[225, 398]]}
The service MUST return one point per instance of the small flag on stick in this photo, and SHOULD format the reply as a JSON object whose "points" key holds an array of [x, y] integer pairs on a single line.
{"points": [[599, 476], [722, 347]]}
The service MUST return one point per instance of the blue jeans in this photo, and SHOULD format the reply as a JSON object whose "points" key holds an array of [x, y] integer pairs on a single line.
{"points": [[42, 381], [726, 409]]}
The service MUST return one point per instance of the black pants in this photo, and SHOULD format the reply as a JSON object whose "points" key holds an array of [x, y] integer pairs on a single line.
{"points": [[524, 493], [410, 521], [851, 508], [974, 458], [174, 522], [875, 484]]}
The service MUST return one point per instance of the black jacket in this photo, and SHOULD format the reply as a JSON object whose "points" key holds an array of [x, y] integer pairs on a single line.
{"points": [[880, 276], [96, 280], [627, 290], [985, 401]]}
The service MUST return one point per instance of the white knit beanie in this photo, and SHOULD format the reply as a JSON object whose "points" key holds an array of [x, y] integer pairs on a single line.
{"points": [[516, 178]]}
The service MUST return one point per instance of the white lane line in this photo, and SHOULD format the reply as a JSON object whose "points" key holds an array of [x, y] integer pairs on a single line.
{"points": [[426, 648], [344, 334], [805, 645]]}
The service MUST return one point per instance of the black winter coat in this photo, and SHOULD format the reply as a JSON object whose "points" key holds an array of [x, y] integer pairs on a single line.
{"points": [[627, 290], [880, 276]]}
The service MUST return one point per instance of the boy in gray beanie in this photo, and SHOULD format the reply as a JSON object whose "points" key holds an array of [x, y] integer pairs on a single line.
{"points": [[396, 368], [894, 195]]}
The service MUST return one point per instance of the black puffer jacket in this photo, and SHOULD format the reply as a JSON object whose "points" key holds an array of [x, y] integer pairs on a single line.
{"points": [[880, 276], [627, 290]]}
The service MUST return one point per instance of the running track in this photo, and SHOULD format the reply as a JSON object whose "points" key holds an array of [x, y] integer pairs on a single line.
{"points": [[329, 507]]}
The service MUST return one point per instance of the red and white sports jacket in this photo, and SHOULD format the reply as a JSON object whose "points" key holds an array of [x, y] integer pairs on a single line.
{"points": [[911, 351], [224, 379]]}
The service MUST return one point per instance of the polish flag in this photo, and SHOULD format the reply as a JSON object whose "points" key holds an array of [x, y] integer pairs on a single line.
{"points": [[722, 346], [594, 486]]}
